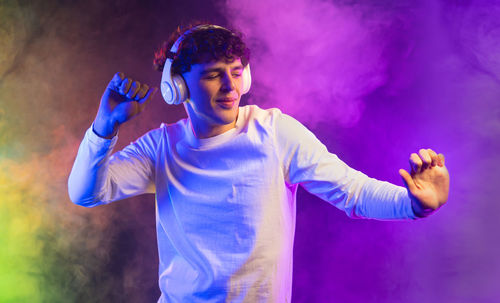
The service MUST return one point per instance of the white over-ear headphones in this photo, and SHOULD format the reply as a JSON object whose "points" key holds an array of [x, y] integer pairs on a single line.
{"points": [[173, 87]]}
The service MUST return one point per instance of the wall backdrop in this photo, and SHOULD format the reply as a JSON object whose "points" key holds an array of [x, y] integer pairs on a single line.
{"points": [[374, 80]]}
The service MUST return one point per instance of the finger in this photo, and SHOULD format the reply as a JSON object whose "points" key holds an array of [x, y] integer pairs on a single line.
{"points": [[426, 158], [441, 160], [415, 163], [134, 87], [142, 92], [434, 157], [116, 82], [125, 86], [407, 180]]}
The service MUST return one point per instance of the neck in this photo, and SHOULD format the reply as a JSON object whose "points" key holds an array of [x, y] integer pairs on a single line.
{"points": [[203, 130]]}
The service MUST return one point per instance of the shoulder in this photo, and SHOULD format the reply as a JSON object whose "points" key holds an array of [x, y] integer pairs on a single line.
{"points": [[272, 117], [255, 114], [273, 122]]}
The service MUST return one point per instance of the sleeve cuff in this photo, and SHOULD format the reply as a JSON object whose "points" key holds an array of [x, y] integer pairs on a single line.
{"points": [[98, 140]]}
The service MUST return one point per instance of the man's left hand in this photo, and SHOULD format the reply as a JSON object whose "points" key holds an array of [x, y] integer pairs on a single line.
{"points": [[428, 183]]}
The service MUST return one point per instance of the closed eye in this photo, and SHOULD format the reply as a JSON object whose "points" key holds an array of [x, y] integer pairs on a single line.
{"points": [[211, 76]]}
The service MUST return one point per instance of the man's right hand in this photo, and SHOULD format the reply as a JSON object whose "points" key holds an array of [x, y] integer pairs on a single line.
{"points": [[122, 100]]}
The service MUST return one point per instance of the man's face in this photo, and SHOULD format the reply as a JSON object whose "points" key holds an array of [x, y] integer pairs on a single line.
{"points": [[214, 92]]}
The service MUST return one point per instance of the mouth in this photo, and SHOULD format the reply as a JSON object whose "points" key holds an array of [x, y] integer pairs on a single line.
{"points": [[226, 102]]}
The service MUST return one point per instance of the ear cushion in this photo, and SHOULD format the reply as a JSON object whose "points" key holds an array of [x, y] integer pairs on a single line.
{"points": [[182, 90], [247, 79], [167, 86]]}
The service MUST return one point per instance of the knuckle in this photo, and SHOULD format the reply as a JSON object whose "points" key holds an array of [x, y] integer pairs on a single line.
{"points": [[424, 155], [125, 85]]}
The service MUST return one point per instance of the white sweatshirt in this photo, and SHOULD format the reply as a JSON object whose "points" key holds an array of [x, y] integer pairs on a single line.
{"points": [[225, 205]]}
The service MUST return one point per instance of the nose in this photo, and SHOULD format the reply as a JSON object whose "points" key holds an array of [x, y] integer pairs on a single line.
{"points": [[228, 82]]}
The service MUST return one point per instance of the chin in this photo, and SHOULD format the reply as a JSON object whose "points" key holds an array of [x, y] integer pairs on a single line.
{"points": [[227, 117]]}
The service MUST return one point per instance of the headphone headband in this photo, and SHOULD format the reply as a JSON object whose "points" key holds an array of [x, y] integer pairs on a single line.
{"points": [[175, 47]]}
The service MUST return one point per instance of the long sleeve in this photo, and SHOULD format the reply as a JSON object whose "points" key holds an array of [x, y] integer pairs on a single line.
{"points": [[99, 178], [306, 161]]}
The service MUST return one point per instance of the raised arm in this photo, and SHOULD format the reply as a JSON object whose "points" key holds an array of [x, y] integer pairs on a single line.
{"points": [[98, 178]]}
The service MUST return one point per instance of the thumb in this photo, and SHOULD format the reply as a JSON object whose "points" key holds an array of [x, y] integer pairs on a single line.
{"points": [[407, 180], [149, 95]]}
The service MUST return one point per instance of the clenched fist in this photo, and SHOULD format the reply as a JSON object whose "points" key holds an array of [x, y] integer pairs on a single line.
{"points": [[122, 100]]}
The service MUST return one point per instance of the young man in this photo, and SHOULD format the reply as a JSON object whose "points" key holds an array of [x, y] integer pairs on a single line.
{"points": [[225, 178]]}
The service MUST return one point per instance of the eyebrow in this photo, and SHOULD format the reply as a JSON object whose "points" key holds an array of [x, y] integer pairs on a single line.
{"points": [[220, 69]]}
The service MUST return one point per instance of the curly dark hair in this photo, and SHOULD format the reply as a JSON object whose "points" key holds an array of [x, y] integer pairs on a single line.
{"points": [[201, 46]]}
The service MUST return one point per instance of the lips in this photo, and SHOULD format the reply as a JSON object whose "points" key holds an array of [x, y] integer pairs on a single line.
{"points": [[226, 102]]}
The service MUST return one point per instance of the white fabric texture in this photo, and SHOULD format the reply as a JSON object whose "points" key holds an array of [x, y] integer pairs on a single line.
{"points": [[225, 206]]}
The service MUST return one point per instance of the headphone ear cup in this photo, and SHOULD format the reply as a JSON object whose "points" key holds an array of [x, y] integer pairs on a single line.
{"points": [[182, 92], [167, 84], [247, 79], [167, 91]]}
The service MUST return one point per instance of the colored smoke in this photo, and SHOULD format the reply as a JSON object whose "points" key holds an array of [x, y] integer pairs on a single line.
{"points": [[374, 80]]}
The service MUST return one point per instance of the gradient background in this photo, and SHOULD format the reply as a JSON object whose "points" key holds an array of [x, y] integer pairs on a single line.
{"points": [[374, 80]]}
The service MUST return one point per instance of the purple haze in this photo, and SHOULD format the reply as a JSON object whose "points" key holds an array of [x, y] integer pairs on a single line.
{"points": [[374, 80], [375, 83]]}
